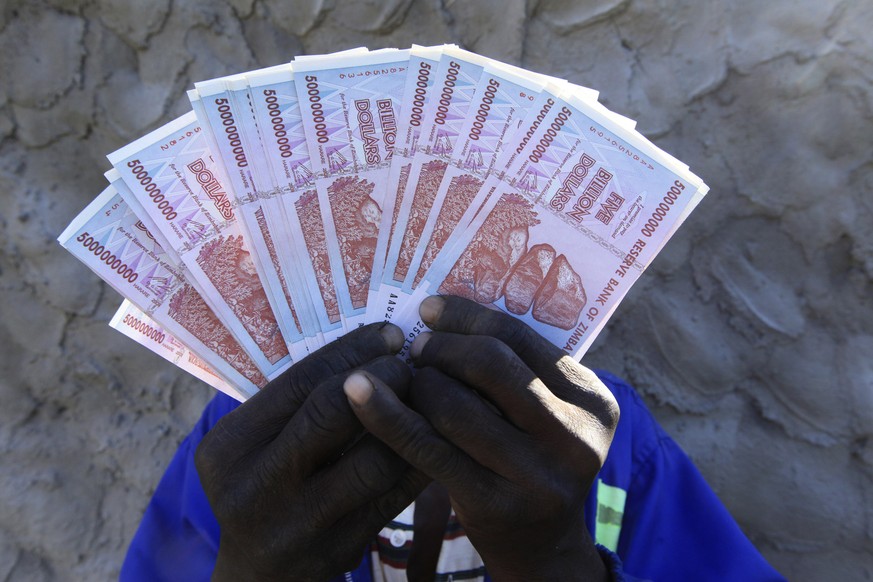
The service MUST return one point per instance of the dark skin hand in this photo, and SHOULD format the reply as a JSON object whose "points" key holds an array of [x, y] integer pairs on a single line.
{"points": [[511, 426], [297, 488]]}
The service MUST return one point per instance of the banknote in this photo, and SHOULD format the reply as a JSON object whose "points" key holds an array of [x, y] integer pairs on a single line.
{"points": [[283, 171], [283, 246], [500, 103], [232, 135], [110, 239], [278, 114], [146, 220], [455, 82], [173, 174], [350, 124], [506, 96], [423, 63], [146, 225], [138, 326], [581, 211], [454, 208], [273, 212]]}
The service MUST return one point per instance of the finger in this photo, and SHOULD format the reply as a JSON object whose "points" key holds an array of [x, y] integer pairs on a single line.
{"points": [[325, 425], [348, 352], [365, 522], [414, 439], [565, 377], [366, 471], [265, 414], [471, 424], [492, 368], [459, 315]]}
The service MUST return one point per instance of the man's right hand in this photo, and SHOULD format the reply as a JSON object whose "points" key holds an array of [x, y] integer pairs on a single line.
{"points": [[296, 488]]}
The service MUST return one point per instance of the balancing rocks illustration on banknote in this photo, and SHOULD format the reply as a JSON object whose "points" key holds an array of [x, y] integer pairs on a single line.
{"points": [[298, 202]]}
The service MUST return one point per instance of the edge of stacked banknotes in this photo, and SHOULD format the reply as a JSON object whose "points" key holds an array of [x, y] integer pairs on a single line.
{"points": [[298, 202]]}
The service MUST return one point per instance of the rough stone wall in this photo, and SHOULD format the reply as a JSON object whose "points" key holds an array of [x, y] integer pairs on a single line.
{"points": [[751, 336]]}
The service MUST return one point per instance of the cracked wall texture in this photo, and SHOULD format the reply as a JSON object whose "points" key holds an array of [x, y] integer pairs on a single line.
{"points": [[751, 336]]}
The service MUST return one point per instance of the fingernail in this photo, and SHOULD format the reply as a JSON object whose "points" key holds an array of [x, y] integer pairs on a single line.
{"points": [[393, 336], [418, 344], [358, 389], [431, 308]]}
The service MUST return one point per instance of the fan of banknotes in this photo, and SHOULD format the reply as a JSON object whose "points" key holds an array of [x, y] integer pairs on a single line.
{"points": [[298, 202]]}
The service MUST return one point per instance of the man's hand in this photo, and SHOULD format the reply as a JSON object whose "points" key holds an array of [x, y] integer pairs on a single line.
{"points": [[514, 428], [297, 490]]}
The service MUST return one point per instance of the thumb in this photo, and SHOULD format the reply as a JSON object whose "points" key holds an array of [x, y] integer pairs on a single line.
{"points": [[408, 433]]}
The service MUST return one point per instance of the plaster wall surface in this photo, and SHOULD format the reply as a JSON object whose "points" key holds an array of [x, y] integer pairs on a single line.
{"points": [[751, 336]]}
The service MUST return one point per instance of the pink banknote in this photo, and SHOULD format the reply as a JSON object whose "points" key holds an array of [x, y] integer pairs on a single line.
{"points": [[112, 242], [500, 104], [350, 122], [147, 332], [423, 63], [309, 215], [460, 192], [229, 128], [356, 217], [445, 113], [172, 173], [281, 130], [562, 234], [429, 178]]}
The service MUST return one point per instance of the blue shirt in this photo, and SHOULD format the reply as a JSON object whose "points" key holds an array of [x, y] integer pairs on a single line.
{"points": [[649, 505]]}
